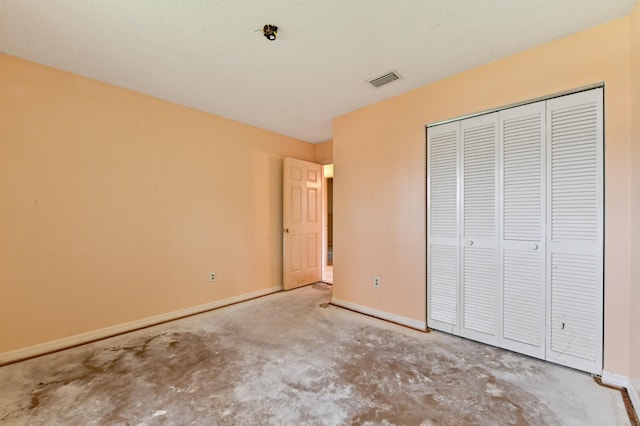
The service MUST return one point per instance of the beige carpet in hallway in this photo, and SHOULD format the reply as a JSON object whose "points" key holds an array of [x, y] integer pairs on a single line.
{"points": [[292, 359]]}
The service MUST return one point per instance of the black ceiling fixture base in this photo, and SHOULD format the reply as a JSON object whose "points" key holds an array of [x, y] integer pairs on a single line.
{"points": [[270, 32]]}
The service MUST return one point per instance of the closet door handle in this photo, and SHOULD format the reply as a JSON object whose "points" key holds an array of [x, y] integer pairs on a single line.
{"points": [[470, 243], [534, 247]]}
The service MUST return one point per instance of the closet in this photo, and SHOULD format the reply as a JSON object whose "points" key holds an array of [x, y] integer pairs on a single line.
{"points": [[515, 229]]}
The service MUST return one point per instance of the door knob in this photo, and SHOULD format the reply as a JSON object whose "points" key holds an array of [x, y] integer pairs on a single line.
{"points": [[286, 230], [470, 243], [534, 246]]}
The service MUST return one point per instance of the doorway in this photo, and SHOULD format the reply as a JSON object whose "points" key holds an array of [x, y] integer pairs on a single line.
{"points": [[307, 223], [302, 230], [327, 215]]}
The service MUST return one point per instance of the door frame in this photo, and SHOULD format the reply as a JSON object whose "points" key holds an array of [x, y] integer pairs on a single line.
{"points": [[601, 217], [327, 173]]}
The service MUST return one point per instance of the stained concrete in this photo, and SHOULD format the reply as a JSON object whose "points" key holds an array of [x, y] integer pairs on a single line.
{"points": [[293, 359]]}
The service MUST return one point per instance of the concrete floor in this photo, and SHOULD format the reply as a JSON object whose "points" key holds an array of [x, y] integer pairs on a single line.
{"points": [[292, 359]]}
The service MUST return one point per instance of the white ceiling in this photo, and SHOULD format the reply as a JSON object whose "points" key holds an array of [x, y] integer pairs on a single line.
{"points": [[206, 54]]}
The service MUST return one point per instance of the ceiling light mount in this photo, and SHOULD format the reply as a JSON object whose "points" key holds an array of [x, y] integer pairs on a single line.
{"points": [[270, 32]]}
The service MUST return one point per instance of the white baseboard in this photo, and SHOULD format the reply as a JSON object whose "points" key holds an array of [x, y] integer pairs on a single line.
{"points": [[615, 379], [398, 319], [623, 382], [79, 339]]}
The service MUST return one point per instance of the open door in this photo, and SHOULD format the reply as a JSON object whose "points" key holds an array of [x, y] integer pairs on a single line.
{"points": [[302, 223]]}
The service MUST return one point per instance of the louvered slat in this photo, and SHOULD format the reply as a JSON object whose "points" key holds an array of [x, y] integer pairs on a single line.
{"points": [[574, 300], [479, 181], [574, 136], [522, 177], [443, 287], [523, 297], [443, 185], [479, 290]]}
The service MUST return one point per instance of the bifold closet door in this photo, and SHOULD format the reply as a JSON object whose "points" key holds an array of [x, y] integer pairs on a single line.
{"points": [[515, 229], [575, 214], [522, 229], [479, 290], [442, 224]]}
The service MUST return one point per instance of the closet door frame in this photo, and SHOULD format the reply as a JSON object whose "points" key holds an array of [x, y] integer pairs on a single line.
{"points": [[594, 365]]}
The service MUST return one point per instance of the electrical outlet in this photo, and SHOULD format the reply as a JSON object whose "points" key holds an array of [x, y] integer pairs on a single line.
{"points": [[376, 282], [212, 277]]}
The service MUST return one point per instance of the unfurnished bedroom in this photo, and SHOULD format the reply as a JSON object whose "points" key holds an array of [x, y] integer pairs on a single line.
{"points": [[319, 212]]}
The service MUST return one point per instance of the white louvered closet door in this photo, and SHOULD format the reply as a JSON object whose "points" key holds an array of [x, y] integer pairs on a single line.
{"points": [[443, 236], [575, 230], [479, 297], [522, 228]]}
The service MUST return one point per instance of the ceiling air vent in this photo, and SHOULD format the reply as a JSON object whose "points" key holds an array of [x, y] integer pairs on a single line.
{"points": [[385, 79]]}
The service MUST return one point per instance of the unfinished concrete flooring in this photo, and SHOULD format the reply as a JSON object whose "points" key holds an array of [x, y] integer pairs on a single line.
{"points": [[292, 359]]}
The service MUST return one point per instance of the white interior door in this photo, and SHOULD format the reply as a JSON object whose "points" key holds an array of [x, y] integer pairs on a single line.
{"points": [[302, 223], [522, 228], [479, 295], [442, 227], [575, 208]]}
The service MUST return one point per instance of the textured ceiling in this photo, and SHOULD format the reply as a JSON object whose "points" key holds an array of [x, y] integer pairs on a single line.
{"points": [[206, 54]]}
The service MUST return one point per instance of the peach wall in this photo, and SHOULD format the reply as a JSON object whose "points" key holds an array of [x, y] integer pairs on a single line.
{"points": [[324, 152], [379, 150], [634, 355], [115, 206]]}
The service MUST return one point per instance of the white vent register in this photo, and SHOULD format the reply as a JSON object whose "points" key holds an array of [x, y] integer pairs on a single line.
{"points": [[515, 229], [385, 79]]}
